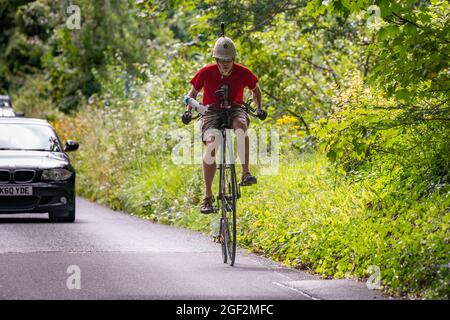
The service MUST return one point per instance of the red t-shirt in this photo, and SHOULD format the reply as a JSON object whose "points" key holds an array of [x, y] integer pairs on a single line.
{"points": [[209, 79]]}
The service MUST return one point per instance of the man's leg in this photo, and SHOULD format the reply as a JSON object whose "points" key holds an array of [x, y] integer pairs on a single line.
{"points": [[209, 166], [243, 141], [210, 121], [209, 170]]}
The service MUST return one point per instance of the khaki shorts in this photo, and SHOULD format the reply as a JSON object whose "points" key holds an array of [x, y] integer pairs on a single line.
{"points": [[211, 120]]}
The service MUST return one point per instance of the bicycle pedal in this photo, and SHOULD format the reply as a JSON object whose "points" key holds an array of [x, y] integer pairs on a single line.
{"points": [[216, 238]]}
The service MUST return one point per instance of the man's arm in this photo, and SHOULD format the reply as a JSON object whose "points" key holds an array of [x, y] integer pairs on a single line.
{"points": [[257, 96], [193, 94]]}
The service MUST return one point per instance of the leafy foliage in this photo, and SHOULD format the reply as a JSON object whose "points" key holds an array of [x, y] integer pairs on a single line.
{"points": [[40, 42]]}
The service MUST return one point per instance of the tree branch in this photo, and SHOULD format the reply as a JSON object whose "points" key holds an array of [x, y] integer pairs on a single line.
{"points": [[366, 64], [301, 119], [406, 20], [291, 112], [330, 70]]}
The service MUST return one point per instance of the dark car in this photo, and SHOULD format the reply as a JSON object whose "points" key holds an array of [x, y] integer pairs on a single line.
{"points": [[35, 172]]}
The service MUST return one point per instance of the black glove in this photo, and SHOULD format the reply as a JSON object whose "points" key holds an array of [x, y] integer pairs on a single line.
{"points": [[186, 117], [262, 114]]}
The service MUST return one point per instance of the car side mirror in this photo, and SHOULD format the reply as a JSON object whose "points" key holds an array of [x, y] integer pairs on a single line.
{"points": [[19, 114], [71, 146]]}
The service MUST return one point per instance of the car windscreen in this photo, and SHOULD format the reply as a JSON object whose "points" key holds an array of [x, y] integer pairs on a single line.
{"points": [[28, 137]]}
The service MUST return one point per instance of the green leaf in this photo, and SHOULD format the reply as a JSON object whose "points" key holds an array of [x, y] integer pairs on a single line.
{"points": [[402, 94]]}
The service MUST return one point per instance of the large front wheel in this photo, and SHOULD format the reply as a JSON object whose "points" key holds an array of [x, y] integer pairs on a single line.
{"points": [[223, 240], [228, 206]]}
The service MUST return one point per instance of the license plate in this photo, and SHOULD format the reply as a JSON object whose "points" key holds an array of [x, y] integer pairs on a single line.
{"points": [[16, 191]]}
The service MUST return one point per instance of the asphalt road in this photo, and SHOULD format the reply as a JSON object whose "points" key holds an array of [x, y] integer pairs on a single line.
{"points": [[112, 255]]}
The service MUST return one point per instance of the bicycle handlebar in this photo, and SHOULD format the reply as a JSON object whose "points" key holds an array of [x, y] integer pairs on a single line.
{"points": [[187, 115], [260, 114]]}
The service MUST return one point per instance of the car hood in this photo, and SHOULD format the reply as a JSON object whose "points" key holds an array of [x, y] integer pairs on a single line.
{"points": [[32, 159]]}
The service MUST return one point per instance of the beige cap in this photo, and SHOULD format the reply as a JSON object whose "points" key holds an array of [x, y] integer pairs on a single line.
{"points": [[224, 49]]}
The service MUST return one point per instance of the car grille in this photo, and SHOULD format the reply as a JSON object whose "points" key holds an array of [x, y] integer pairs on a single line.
{"points": [[17, 202], [5, 176], [23, 176], [18, 176]]}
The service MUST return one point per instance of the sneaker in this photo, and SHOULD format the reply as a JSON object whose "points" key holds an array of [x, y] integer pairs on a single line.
{"points": [[206, 207], [247, 179]]}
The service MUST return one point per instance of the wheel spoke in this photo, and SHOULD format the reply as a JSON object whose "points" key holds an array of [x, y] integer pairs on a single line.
{"points": [[229, 212], [228, 195]]}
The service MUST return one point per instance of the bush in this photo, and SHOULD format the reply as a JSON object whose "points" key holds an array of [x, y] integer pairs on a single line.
{"points": [[337, 227]]}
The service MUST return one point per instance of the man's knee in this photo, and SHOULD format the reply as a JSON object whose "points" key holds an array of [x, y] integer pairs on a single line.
{"points": [[240, 124], [210, 152], [209, 140]]}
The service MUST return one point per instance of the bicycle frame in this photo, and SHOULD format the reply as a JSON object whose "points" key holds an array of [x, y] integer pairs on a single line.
{"points": [[229, 192]]}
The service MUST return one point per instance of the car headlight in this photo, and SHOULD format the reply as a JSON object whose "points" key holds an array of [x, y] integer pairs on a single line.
{"points": [[56, 174]]}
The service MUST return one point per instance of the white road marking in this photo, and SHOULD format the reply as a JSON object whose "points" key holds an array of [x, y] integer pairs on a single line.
{"points": [[294, 289]]}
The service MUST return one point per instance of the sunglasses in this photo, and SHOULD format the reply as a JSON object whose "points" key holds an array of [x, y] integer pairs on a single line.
{"points": [[223, 61]]}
